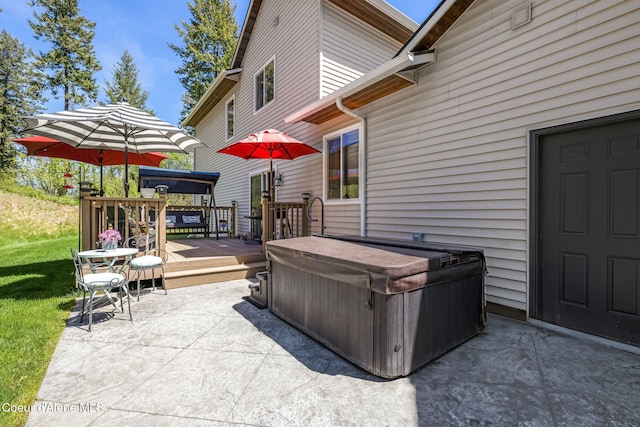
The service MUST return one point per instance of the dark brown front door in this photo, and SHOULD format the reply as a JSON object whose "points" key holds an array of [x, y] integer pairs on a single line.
{"points": [[589, 230]]}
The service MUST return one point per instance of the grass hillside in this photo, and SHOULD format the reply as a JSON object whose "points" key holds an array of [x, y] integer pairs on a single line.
{"points": [[28, 219], [36, 292]]}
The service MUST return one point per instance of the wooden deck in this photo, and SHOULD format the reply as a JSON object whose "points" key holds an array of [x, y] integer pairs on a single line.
{"points": [[200, 261], [198, 248]]}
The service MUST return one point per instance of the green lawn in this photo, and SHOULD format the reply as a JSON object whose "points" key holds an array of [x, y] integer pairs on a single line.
{"points": [[36, 295]]}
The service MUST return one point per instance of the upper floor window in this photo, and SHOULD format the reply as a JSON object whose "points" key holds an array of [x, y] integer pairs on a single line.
{"points": [[265, 84], [342, 162], [231, 117]]}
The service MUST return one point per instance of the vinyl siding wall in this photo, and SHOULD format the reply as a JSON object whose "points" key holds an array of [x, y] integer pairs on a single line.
{"points": [[350, 49], [449, 157], [296, 44], [284, 30]]}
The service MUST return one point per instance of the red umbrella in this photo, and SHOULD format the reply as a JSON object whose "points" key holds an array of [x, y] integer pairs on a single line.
{"points": [[48, 147], [269, 144]]}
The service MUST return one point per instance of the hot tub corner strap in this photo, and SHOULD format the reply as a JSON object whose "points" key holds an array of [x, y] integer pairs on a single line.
{"points": [[370, 293]]}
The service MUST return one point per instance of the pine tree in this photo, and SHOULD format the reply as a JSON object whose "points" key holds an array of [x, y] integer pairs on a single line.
{"points": [[209, 44], [71, 62], [20, 93], [125, 85]]}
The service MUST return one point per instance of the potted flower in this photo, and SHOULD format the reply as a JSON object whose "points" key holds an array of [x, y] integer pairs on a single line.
{"points": [[109, 239]]}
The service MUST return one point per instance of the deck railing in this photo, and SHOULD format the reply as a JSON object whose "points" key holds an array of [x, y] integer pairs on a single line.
{"points": [[283, 220], [129, 216], [223, 220]]}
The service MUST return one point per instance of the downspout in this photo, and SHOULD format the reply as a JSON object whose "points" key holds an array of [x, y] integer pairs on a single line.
{"points": [[362, 192]]}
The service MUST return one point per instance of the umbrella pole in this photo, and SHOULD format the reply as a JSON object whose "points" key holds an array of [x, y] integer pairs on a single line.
{"points": [[79, 209], [126, 163], [101, 190], [272, 192]]}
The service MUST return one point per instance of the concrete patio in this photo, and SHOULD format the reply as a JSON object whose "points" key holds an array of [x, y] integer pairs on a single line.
{"points": [[204, 356]]}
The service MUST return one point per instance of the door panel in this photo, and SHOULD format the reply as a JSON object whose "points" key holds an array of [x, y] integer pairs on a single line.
{"points": [[589, 230]]}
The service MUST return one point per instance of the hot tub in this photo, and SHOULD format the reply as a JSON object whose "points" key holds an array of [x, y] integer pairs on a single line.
{"points": [[387, 306]]}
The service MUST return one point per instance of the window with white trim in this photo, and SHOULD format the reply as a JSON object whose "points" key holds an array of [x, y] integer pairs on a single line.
{"points": [[342, 165], [265, 85], [231, 117]]}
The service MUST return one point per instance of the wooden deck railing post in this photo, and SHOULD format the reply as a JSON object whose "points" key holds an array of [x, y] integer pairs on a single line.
{"points": [[161, 222], [267, 224], [305, 219], [85, 219], [234, 212]]}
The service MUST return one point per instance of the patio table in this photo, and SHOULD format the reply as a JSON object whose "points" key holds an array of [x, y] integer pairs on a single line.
{"points": [[109, 259]]}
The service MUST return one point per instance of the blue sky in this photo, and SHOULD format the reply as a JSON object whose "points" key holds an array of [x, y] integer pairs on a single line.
{"points": [[145, 27]]}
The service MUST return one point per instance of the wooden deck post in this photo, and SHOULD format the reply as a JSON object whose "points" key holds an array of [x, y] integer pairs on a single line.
{"points": [[266, 223], [161, 222], [85, 216]]}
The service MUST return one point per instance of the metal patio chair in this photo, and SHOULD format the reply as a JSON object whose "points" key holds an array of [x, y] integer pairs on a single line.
{"points": [[95, 282], [148, 261]]}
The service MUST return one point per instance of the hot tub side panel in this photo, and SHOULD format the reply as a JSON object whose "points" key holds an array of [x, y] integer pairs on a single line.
{"points": [[388, 345], [334, 313], [440, 317]]}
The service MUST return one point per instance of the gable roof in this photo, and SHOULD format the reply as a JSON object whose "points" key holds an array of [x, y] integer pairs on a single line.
{"points": [[377, 13], [392, 76]]}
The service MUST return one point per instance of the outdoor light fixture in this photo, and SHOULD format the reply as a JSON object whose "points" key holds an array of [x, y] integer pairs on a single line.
{"points": [[162, 189], [277, 180], [86, 185], [265, 194], [306, 196]]}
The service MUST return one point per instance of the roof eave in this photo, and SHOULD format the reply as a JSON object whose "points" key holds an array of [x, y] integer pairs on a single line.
{"points": [[436, 25], [381, 16], [394, 24], [245, 33], [387, 79], [378, 83], [225, 81]]}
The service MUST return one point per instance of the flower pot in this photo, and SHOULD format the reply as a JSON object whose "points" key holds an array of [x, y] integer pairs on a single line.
{"points": [[109, 246]]}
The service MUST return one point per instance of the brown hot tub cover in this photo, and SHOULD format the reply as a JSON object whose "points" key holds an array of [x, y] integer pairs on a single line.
{"points": [[388, 270]]}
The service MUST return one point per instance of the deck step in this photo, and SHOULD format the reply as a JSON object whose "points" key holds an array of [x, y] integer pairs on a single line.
{"points": [[207, 262], [220, 273]]}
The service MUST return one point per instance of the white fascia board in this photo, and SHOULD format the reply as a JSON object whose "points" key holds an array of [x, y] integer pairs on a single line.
{"points": [[225, 74], [428, 25], [393, 66], [244, 28]]}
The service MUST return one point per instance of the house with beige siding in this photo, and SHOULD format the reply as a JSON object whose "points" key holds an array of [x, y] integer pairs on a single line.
{"points": [[290, 54], [512, 126]]}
